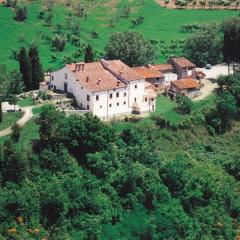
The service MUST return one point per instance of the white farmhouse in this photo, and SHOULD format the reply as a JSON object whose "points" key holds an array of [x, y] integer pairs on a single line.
{"points": [[106, 88]]}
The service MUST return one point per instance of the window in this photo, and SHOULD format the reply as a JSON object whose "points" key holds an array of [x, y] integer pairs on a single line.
{"points": [[152, 99], [135, 99], [81, 105], [88, 98], [145, 99], [100, 106], [81, 87], [118, 104], [125, 94], [97, 97], [124, 103], [117, 94], [135, 86], [110, 105], [110, 95], [52, 78], [157, 79], [87, 107], [65, 76]]}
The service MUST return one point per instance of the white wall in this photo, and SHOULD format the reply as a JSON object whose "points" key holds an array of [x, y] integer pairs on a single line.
{"points": [[107, 107], [168, 77], [74, 87]]}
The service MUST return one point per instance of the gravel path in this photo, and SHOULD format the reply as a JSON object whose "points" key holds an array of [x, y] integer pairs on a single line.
{"points": [[27, 115]]}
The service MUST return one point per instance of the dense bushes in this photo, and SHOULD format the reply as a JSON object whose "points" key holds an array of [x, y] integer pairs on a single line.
{"points": [[85, 176]]}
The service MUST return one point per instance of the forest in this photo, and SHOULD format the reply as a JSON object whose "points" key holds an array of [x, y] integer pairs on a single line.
{"points": [[86, 179]]}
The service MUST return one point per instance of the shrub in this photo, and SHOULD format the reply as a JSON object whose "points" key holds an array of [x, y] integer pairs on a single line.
{"points": [[185, 104], [160, 121], [59, 43], [21, 13]]}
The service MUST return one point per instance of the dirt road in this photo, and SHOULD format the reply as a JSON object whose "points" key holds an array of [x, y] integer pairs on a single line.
{"points": [[27, 115]]}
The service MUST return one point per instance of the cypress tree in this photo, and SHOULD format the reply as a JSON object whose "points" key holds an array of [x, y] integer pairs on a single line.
{"points": [[37, 70], [89, 55], [25, 68]]}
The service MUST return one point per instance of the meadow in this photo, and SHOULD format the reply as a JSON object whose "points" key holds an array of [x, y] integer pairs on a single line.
{"points": [[160, 24]]}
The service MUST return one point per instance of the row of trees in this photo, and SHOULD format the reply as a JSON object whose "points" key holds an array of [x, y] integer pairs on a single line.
{"points": [[30, 67], [206, 44]]}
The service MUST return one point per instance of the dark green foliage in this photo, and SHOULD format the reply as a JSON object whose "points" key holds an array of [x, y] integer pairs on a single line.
{"points": [[14, 166], [37, 71], [21, 13], [131, 48], [16, 131], [25, 68], [231, 46], [204, 47], [59, 43], [185, 104], [89, 55]]}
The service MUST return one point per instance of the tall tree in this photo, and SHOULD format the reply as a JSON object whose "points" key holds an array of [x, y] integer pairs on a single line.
{"points": [[25, 68], [231, 46], [37, 70], [131, 48], [204, 47], [89, 55]]}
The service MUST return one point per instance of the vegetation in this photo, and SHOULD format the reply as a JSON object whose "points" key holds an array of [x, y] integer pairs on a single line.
{"points": [[161, 26], [131, 48], [9, 119]]}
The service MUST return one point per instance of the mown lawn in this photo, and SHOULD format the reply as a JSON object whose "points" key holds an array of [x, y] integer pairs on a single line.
{"points": [[29, 133], [26, 102], [159, 24], [9, 118]]}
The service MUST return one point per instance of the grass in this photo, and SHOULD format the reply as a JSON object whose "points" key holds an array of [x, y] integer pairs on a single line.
{"points": [[28, 101], [9, 118], [160, 24], [29, 133]]}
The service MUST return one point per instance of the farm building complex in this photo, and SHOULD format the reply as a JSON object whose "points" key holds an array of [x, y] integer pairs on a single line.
{"points": [[111, 88]]}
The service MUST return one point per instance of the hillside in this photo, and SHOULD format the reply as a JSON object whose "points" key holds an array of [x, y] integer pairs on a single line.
{"points": [[160, 24]]}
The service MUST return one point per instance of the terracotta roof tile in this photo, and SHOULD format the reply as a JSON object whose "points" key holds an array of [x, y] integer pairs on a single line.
{"points": [[121, 70], [185, 83], [95, 77], [183, 62], [163, 67], [147, 72]]}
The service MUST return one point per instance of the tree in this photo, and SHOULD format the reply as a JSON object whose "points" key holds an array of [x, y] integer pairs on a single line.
{"points": [[16, 131], [47, 17], [89, 55], [231, 46], [16, 82], [185, 104], [21, 13], [37, 70], [131, 48], [58, 42], [226, 107], [4, 86], [14, 166], [25, 68], [49, 121], [204, 47]]}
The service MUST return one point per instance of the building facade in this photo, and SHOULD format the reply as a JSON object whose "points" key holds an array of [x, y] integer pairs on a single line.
{"points": [[105, 88]]}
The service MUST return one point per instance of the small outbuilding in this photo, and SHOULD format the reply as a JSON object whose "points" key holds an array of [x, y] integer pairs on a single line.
{"points": [[188, 87]]}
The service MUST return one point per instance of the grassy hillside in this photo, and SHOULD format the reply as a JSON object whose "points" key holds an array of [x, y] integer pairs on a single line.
{"points": [[160, 24]]}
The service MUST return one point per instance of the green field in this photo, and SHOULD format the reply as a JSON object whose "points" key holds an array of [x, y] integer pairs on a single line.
{"points": [[160, 24], [9, 119]]}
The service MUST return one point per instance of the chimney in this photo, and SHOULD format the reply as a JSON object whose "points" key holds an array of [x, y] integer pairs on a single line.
{"points": [[118, 83], [99, 81], [87, 79]]}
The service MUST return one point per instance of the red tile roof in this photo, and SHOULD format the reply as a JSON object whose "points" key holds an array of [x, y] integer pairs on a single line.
{"points": [[147, 72], [183, 62], [95, 77], [163, 67], [121, 70], [185, 83]]}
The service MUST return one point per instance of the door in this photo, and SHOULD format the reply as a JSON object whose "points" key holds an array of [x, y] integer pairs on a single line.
{"points": [[65, 87]]}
